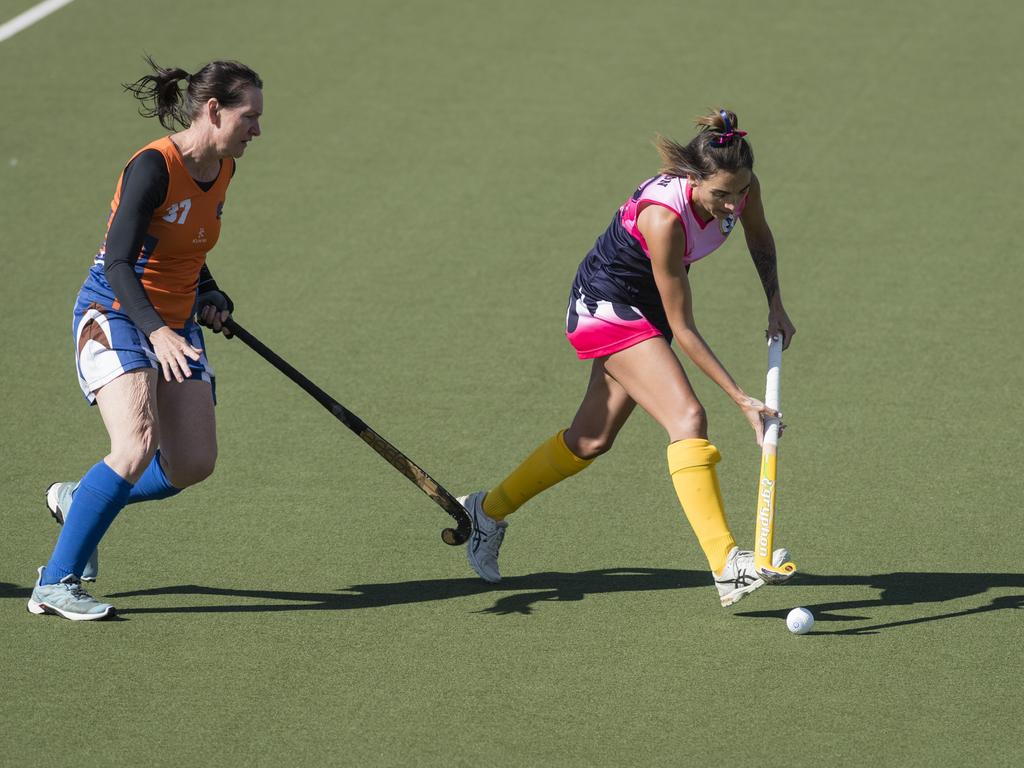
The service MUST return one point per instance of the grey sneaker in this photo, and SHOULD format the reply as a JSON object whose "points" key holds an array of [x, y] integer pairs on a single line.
{"points": [[67, 599], [738, 579], [483, 546], [58, 501]]}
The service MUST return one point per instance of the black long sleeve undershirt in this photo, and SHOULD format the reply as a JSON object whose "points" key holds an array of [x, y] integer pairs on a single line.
{"points": [[143, 188]]}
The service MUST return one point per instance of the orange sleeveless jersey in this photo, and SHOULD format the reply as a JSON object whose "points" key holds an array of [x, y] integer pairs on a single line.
{"points": [[183, 229]]}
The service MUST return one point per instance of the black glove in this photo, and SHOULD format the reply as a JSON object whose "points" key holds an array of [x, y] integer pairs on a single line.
{"points": [[218, 300]]}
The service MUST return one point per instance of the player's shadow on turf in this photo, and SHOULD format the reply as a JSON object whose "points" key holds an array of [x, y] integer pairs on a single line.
{"points": [[525, 591], [14, 591], [910, 588]]}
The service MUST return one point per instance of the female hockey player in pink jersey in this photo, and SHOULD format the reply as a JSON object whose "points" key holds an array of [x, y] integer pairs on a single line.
{"points": [[630, 297]]}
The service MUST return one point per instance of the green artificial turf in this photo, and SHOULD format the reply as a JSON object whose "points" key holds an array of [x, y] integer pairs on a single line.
{"points": [[405, 233]]}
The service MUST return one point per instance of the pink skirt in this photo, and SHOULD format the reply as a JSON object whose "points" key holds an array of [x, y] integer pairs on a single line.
{"points": [[597, 328]]}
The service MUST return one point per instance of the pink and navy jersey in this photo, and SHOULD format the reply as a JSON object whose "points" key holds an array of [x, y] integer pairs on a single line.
{"points": [[618, 267]]}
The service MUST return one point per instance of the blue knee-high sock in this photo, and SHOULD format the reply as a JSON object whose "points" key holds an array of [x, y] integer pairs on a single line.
{"points": [[99, 497], [153, 484]]}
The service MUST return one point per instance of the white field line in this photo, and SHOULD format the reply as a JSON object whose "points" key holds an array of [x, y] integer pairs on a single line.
{"points": [[30, 17]]}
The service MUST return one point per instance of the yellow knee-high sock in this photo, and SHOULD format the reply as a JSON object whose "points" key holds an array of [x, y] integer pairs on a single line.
{"points": [[692, 466], [551, 463]]}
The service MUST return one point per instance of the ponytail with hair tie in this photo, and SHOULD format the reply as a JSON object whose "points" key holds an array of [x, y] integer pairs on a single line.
{"points": [[718, 146], [728, 133], [161, 95]]}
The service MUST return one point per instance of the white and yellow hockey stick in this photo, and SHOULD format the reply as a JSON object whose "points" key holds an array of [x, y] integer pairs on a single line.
{"points": [[767, 483]]}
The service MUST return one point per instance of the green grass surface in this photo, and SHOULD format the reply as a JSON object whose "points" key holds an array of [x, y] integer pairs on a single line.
{"points": [[405, 232]]}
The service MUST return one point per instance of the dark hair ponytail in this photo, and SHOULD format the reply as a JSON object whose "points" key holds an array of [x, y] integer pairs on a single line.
{"points": [[718, 146], [162, 97]]}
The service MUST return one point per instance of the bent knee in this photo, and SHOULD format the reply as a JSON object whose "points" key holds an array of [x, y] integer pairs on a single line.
{"points": [[190, 470], [691, 421], [130, 456], [590, 447]]}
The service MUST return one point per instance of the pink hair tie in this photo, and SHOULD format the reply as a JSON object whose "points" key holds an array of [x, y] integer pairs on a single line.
{"points": [[725, 138]]}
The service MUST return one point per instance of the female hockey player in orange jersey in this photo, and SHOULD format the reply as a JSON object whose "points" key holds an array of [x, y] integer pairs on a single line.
{"points": [[138, 348]]}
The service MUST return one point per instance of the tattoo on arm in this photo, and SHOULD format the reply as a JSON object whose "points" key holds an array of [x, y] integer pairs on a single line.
{"points": [[765, 262]]}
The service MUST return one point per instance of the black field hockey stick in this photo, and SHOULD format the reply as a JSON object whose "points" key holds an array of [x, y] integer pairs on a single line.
{"points": [[441, 496]]}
